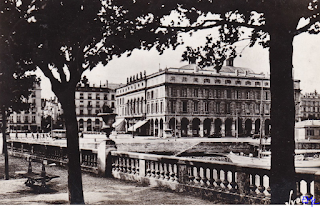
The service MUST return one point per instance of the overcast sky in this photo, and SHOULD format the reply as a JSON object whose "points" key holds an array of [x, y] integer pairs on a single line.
{"points": [[306, 62]]}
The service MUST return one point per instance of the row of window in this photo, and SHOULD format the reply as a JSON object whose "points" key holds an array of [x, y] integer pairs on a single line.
{"points": [[310, 103], [311, 132], [135, 86], [311, 109], [26, 119], [89, 105], [90, 96], [218, 107], [218, 81], [196, 92], [89, 112]]}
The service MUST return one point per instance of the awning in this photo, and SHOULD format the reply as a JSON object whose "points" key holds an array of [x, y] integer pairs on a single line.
{"points": [[119, 125], [137, 125], [117, 122]]}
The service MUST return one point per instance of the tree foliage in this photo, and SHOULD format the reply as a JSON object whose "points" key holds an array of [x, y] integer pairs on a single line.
{"points": [[66, 37], [15, 85]]}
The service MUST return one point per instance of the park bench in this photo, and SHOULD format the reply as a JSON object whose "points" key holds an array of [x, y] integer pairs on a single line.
{"points": [[35, 178]]}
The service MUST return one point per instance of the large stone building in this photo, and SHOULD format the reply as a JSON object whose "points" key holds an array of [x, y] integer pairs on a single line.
{"points": [[197, 102], [310, 106], [28, 120], [89, 100]]}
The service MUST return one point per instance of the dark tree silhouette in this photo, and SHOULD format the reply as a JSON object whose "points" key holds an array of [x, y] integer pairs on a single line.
{"points": [[273, 24], [66, 37], [15, 85]]}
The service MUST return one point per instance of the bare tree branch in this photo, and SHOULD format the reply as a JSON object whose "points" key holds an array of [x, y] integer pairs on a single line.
{"points": [[216, 24]]}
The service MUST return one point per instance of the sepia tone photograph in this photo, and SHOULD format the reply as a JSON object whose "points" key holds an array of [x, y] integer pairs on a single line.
{"points": [[159, 102]]}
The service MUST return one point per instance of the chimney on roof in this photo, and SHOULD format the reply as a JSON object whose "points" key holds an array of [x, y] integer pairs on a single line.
{"points": [[229, 61]]}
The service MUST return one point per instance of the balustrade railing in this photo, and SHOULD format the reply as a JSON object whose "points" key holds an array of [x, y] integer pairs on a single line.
{"points": [[57, 154], [247, 184]]}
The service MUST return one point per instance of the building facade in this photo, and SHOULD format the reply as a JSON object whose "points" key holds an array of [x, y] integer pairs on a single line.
{"points": [[30, 120], [307, 129], [310, 106], [89, 100], [52, 109], [198, 102]]}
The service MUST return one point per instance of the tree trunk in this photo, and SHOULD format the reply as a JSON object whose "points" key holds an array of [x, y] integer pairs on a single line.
{"points": [[67, 100], [4, 137], [282, 178]]}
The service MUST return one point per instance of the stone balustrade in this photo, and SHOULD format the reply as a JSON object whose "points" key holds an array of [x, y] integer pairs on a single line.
{"points": [[53, 153], [206, 178], [212, 179]]}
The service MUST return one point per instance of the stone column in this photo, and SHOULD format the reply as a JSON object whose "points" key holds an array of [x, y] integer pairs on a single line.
{"points": [[178, 130], [201, 129], [212, 128], [223, 131], [263, 127], [190, 130], [253, 127], [233, 128], [243, 125]]}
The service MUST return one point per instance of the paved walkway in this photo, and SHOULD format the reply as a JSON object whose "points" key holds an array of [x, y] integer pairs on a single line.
{"points": [[97, 190]]}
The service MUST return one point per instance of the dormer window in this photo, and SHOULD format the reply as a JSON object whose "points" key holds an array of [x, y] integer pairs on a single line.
{"points": [[248, 83], [217, 81]]}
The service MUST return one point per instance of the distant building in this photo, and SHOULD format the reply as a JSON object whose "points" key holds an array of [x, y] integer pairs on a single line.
{"points": [[197, 102], [310, 106], [52, 108], [28, 120], [307, 129], [89, 100]]}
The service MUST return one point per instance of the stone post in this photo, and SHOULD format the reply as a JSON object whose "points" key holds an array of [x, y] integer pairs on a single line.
{"points": [[183, 177], [142, 166], [104, 158], [317, 187], [243, 181]]}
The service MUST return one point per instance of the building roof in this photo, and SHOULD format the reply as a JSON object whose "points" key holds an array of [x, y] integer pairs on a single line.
{"points": [[307, 123], [225, 69], [115, 85]]}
